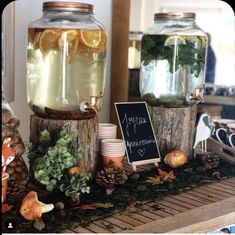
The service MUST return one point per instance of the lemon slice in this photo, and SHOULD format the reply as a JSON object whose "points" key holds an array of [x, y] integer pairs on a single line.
{"points": [[203, 40], [49, 39], [195, 40], [174, 40], [91, 38]]}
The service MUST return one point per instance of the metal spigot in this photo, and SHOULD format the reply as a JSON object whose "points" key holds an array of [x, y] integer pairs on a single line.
{"points": [[197, 95], [92, 105]]}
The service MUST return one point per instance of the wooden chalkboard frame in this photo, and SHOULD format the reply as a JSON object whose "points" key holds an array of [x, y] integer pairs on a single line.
{"points": [[153, 160]]}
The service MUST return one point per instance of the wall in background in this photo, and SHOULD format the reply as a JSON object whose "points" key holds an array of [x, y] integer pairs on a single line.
{"points": [[27, 11]]}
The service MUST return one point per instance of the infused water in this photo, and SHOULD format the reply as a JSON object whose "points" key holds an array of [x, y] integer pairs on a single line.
{"points": [[172, 68], [65, 70]]}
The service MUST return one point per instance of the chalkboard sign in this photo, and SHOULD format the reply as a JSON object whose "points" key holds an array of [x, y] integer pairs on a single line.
{"points": [[137, 131]]}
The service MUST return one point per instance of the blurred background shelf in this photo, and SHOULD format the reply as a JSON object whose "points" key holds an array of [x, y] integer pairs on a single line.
{"points": [[223, 100]]}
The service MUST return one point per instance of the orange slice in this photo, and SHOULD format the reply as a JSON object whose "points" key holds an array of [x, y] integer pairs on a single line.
{"points": [[68, 36], [49, 39], [72, 34], [73, 50], [31, 34], [36, 40], [103, 43], [69, 41], [90, 37]]}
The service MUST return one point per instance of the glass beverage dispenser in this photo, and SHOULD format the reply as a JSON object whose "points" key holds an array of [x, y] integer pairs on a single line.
{"points": [[66, 57], [173, 58]]}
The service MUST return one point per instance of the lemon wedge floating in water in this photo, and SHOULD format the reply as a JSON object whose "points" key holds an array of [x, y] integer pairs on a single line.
{"points": [[174, 40]]}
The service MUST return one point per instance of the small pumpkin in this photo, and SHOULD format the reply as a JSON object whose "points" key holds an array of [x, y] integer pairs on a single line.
{"points": [[74, 170], [176, 158]]}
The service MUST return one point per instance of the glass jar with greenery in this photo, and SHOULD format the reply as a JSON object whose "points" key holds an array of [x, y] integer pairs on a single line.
{"points": [[173, 57]]}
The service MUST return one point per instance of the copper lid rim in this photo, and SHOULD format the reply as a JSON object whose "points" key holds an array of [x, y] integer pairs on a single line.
{"points": [[174, 15], [70, 6]]}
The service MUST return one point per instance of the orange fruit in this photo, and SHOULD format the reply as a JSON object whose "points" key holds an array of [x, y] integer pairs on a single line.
{"points": [[68, 36], [103, 43], [74, 170], [73, 50], [72, 34], [69, 41], [49, 39], [90, 37], [31, 34], [36, 40]]}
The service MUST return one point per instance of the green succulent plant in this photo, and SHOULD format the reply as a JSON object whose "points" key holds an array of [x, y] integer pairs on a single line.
{"points": [[76, 186], [51, 161]]}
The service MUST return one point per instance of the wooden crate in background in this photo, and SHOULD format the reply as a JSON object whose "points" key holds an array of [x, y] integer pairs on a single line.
{"points": [[224, 151]]}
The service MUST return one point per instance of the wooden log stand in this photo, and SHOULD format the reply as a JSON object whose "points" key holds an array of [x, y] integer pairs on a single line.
{"points": [[174, 128], [84, 132]]}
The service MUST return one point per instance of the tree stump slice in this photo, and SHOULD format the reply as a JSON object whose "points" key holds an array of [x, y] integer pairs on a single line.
{"points": [[84, 131], [174, 128]]}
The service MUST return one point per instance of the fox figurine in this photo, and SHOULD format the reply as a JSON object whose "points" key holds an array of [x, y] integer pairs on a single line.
{"points": [[8, 154]]}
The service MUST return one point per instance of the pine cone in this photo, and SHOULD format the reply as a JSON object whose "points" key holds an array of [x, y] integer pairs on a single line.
{"points": [[210, 161], [108, 177], [120, 176]]}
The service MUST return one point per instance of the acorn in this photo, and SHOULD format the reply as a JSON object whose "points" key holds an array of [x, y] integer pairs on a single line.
{"points": [[176, 158]]}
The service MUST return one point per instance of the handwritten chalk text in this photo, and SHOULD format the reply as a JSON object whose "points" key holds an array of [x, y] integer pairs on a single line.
{"points": [[133, 121], [140, 143]]}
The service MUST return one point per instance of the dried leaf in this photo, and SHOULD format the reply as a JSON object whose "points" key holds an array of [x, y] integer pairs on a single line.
{"points": [[103, 205], [162, 173], [171, 176], [154, 180], [6, 208], [94, 206], [166, 176], [87, 207]]}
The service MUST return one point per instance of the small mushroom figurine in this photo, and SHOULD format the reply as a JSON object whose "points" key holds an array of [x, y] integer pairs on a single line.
{"points": [[176, 158], [32, 209]]}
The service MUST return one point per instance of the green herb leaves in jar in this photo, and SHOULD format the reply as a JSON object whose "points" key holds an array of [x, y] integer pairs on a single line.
{"points": [[172, 63]]}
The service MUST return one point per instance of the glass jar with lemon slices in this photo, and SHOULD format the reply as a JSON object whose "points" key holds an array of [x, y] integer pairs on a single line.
{"points": [[173, 58], [66, 57]]}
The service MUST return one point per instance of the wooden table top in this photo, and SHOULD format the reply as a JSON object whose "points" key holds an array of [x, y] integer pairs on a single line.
{"points": [[200, 209]]}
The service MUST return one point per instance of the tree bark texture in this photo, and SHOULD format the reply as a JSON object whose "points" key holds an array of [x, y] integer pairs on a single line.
{"points": [[84, 132], [174, 128]]}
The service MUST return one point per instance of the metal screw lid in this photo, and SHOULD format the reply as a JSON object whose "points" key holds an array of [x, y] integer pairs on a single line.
{"points": [[68, 6], [174, 16]]}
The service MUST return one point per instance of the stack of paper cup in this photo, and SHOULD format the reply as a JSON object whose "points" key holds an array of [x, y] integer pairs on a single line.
{"points": [[106, 131], [112, 152]]}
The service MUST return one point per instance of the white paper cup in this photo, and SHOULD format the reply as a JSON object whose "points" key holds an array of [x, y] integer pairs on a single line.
{"points": [[112, 147]]}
